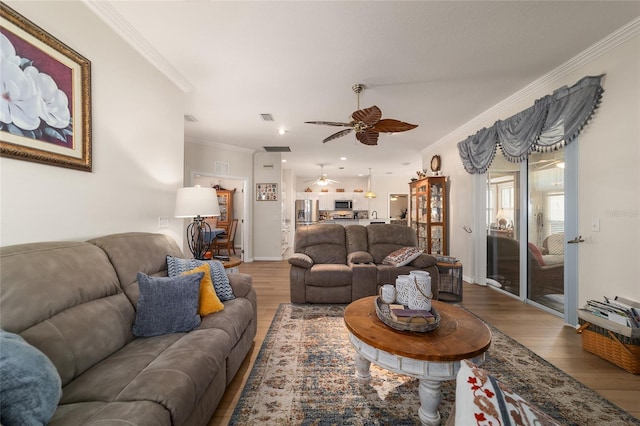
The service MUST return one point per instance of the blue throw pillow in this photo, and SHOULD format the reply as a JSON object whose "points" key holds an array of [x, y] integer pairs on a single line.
{"points": [[177, 266], [167, 304], [30, 386]]}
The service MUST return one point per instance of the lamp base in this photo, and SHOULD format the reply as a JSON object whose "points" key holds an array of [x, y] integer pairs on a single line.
{"points": [[196, 232]]}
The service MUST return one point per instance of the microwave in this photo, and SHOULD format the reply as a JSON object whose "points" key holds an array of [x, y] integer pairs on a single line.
{"points": [[343, 205]]}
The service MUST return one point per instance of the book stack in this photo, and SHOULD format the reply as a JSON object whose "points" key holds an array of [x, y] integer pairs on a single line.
{"points": [[619, 310], [401, 313]]}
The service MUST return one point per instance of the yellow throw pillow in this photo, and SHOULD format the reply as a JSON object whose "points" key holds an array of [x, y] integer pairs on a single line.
{"points": [[208, 299]]}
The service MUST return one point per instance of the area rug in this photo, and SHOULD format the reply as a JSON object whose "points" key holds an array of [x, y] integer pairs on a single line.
{"points": [[304, 375]]}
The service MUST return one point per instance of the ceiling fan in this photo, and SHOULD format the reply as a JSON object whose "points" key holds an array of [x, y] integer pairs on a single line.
{"points": [[322, 180], [367, 123]]}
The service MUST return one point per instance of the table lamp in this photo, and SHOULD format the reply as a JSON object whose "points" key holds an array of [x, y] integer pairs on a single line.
{"points": [[197, 202]]}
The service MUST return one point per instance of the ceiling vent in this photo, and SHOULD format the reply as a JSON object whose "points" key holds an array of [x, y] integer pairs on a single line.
{"points": [[266, 117], [190, 118], [277, 148]]}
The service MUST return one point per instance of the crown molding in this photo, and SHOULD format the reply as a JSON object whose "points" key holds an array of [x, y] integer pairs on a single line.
{"points": [[621, 35], [121, 26]]}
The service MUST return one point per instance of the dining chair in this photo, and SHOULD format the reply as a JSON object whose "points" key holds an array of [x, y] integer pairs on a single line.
{"points": [[227, 242]]}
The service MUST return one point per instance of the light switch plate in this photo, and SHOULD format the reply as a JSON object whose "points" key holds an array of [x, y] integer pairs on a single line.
{"points": [[163, 222], [595, 225]]}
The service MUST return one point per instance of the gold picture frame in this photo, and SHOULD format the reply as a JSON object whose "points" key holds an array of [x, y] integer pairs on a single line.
{"points": [[49, 119], [266, 192]]}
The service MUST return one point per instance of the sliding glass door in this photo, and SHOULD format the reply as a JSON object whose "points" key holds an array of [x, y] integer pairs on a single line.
{"points": [[545, 229]]}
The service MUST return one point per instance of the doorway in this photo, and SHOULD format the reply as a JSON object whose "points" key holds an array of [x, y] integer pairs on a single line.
{"points": [[398, 208]]}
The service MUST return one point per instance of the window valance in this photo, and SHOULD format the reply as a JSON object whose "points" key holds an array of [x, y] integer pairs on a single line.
{"points": [[551, 123]]}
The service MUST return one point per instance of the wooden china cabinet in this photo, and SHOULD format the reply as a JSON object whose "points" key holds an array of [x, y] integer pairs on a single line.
{"points": [[428, 213], [225, 201]]}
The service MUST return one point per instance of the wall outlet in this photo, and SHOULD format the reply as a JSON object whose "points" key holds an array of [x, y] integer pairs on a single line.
{"points": [[595, 225], [163, 222]]}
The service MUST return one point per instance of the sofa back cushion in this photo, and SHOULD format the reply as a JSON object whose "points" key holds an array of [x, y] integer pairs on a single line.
{"points": [[385, 239], [324, 243], [356, 238], [134, 252], [64, 298]]}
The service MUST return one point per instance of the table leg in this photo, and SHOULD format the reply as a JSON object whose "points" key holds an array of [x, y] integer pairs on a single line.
{"points": [[362, 369], [430, 395]]}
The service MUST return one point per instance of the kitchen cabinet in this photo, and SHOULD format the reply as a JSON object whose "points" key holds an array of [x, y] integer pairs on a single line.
{"points": [[326, 200], [225, 201], [428, 213]]}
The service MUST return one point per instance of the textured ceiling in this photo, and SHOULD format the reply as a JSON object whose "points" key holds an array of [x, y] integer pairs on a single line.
{"points": [[437, 64]]}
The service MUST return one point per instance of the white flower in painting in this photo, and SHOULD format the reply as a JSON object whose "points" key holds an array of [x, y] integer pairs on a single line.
{"points": [[20, 103], [7, 51], [54, 108]]}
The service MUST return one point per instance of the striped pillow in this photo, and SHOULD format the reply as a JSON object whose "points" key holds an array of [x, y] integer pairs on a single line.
{"points": [[177, 266]]}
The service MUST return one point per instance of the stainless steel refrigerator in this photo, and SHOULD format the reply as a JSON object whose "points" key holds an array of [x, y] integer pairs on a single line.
{"points": [[307, 212]]}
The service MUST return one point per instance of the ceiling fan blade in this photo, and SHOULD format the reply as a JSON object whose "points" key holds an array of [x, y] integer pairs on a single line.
{"points": [[368, 116], [329, 123], [389, 125], [337, 135], [368, 137]]}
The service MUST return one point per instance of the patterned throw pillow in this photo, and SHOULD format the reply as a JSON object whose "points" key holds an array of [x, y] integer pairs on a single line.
{"points": [[208, 302], [167, 304], [177, 266], [483, 400], [402, 256]]}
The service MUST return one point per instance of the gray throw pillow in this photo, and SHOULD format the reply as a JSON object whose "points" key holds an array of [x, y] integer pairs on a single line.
{"points": [[424, 261], [177, 266], [30, 387], [167, 304]]}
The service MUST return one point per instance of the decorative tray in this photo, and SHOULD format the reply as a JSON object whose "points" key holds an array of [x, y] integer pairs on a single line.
{"points": [[384, 313]]}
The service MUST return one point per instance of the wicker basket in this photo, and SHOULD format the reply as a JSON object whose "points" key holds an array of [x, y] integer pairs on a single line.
{"points": [[609, 345]]}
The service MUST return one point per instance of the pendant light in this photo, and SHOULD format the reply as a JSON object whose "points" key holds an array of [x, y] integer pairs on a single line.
{"points": [[369, 194]]}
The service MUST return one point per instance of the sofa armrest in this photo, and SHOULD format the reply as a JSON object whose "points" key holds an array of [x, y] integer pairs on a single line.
{"points": [[359, 257], [424, 261], [240, 283], [301, 260]]}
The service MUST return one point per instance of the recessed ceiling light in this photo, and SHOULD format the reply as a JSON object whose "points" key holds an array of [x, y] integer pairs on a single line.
{"points": [[281, 131], [284, 161], [343, 158]]}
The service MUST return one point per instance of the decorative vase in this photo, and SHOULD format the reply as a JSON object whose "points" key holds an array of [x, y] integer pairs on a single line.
{"points": [[404, 284], [420, 297]]}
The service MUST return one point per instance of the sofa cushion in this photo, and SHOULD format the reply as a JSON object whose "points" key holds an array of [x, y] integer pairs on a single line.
{"points": [[208, 301], [386, 239], [402, 256], [30, 386], [482, 399], [324, 243], [167, 305], [301, 260], [100, 413], [535, 251], [424, 261], [172, 370], [329, 275], [177, 266], [356, 238]]}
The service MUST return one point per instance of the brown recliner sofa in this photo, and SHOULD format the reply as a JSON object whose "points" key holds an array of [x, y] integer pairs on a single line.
{"points": [[76, 302], [339, 264]]}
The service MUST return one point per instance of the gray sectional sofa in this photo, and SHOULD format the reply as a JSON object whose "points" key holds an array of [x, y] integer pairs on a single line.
{"points": [[76, 302], [339, 264]]}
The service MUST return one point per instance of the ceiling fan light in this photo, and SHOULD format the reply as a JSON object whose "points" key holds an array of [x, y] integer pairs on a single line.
{"points": [[322, 182]]}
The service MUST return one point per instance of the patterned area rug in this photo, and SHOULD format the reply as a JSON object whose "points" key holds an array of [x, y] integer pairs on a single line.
{"points": [[305, 375]]}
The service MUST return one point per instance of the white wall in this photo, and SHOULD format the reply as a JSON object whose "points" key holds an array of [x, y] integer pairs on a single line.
{"points": [[267, 217], [137, 119], [609, 176]]}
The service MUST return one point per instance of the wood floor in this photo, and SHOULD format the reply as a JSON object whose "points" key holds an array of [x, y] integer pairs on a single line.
{"points": [[543, 333]]}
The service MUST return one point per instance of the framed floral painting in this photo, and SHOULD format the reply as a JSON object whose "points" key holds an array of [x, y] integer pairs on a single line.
{"points": [[45, 96]]}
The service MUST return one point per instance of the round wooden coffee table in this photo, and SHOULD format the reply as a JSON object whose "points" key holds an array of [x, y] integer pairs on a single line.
{"points": [[431, 357], [232, 262]]}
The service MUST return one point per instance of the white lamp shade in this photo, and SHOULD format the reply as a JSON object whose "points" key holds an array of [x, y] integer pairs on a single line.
{"points": [[197, 201]]}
